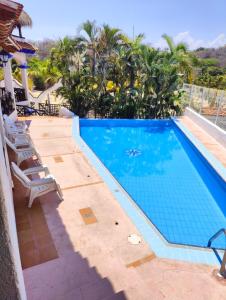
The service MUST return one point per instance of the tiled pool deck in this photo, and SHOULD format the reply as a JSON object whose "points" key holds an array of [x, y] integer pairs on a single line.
{"points": [[210, 143], [89, 230]]}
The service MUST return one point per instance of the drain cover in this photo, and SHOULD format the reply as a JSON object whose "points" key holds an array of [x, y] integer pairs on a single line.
{"points": [[134, 239]]}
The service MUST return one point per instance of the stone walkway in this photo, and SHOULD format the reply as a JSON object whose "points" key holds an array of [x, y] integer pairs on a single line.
{"points": [[90, 229], [209, 142]]}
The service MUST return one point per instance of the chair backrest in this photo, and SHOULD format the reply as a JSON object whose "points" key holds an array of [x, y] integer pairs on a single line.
{"points": [[24, 179], [10, 144], [10, 129], [10, 126], [8, 120]]}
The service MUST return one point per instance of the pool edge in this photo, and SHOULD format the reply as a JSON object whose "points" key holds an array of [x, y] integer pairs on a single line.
{"points": [[211, 159], [150, 234]]}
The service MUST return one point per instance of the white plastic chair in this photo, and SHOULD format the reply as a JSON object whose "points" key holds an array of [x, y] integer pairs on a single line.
{"points": [[14, 122], [36, 187], [17, 135], [21, 139], [24, 153], [18, 125], [12, 131]]}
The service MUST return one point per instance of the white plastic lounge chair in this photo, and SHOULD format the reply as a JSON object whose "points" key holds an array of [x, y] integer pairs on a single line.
{"points": [[17, 135], [12, 131], [24, 153], [36, 187], [21, 139], [18, 125]]}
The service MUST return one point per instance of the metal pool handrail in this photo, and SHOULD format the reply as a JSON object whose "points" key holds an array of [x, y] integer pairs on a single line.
{"points": [[222, 271], [216, 235]]}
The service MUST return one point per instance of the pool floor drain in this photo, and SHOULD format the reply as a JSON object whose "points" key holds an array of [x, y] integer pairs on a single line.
{"points": [[134, 239]]}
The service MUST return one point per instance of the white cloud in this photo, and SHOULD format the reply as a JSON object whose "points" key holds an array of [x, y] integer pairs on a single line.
{"points": [[219, 41], [193, 43]]}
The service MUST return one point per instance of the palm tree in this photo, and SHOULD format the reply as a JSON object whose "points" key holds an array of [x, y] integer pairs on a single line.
{"points": [[180, 55], [61, 54], [107, 50], [109, 39], [130, 52], [89, 39]]}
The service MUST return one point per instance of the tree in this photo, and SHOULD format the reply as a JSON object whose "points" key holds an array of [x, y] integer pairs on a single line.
{"points": [[105, 72], [179, 54], [89, 39]]}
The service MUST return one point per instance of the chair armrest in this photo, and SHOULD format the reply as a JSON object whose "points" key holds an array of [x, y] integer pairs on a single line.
{"points": [[20, 124], [15, 134], [26, 149], [37, 170], [41, 181], [24, 145], [20, 134]]}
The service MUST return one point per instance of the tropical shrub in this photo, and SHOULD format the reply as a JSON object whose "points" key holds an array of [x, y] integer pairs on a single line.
{"points": [[105, 72], [42, 73], [210, 74]]}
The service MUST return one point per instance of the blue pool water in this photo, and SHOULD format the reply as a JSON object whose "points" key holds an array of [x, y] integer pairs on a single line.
{"points": [[164, 174]]}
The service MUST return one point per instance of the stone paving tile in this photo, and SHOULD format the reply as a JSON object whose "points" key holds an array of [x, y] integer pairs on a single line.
{"points": [[79, 172], [49, 132], [88, 216], [55, 147], [35, 241]]}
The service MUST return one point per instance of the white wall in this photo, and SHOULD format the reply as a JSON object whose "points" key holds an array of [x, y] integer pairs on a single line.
{"points": [[217, 133], [5, 181]]}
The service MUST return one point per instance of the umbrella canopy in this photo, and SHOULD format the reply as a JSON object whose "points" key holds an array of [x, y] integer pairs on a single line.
{"points": [[12, 15], [24, 20]]}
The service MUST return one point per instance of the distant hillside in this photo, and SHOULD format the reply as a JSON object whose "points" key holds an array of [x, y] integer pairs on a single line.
{"points": [[219, 54], [44, 47]]}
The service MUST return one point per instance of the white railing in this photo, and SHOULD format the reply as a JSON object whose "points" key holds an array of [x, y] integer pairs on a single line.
{"points": [[210, 103], [43, 96]]}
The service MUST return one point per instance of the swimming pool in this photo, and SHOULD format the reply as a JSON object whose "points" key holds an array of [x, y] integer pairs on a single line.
{"points": [[164, 174]]}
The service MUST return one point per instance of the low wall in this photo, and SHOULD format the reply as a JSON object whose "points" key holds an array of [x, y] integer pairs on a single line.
{"points": [[217, 133]]}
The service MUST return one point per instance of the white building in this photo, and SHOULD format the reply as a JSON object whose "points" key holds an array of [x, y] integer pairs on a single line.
{"points": [[12, 18]]}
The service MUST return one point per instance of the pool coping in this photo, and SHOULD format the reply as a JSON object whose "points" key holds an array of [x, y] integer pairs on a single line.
{"points": [[149, 232], [212, 160]]}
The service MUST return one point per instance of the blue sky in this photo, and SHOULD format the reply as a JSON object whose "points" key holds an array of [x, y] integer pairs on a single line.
{"points": [[197, 22]]}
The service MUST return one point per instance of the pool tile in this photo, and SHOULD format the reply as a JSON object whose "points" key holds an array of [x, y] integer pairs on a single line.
{"points": [[88, 216], [58, 159], [141, 261]]}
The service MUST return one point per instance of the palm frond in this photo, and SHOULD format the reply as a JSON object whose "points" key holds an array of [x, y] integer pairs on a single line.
{"points": [[169, 42]]}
